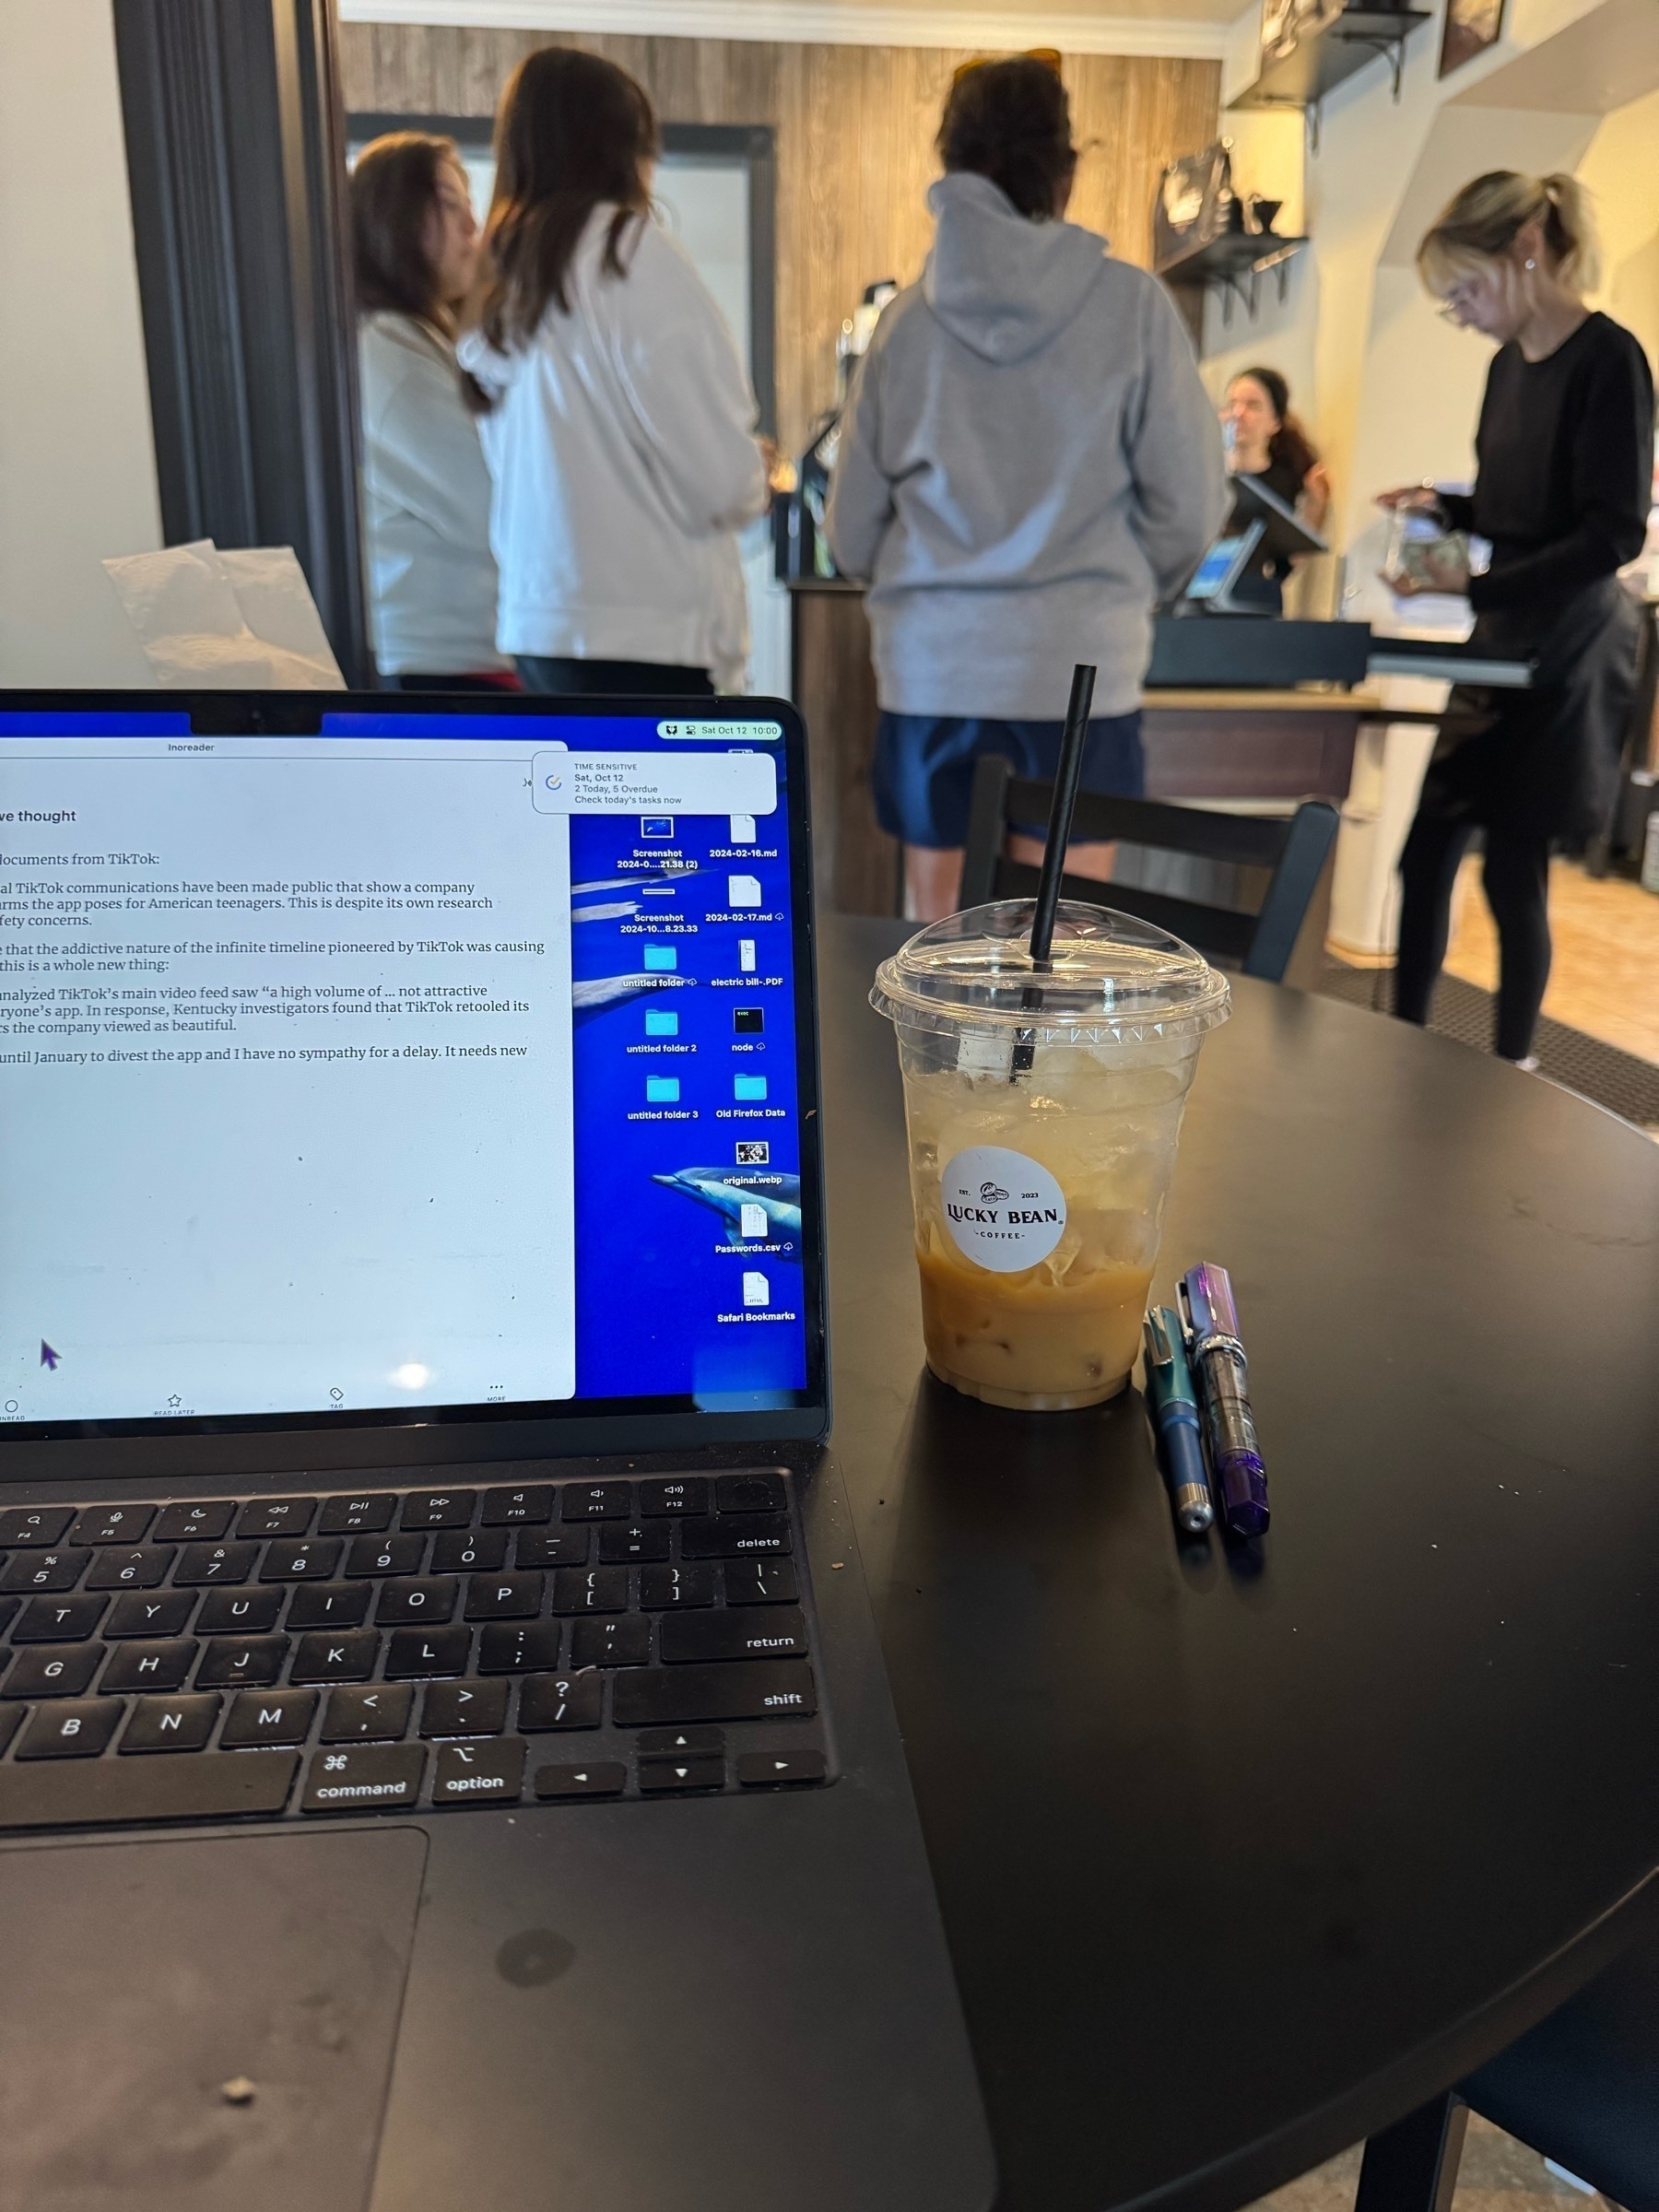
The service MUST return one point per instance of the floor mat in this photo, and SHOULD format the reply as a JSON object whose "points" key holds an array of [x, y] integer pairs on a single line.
{"points": [[1617, 1080]]}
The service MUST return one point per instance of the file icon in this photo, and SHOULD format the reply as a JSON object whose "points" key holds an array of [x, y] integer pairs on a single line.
{"points": [[660, 1022], [757, 1290], [745, 955], [662, 1090], [743, 891], [661, 959], [751, 1220], [749, 1087], [743, 829]]}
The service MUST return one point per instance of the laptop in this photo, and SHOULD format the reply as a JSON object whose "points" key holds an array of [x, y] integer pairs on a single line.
{"points": [[444, 1753]]}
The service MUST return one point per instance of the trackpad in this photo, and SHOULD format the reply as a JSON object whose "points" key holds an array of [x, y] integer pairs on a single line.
{"points": [[202, 2025]]}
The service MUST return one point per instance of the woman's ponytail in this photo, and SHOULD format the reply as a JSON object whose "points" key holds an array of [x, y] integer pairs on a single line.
{"points": [[1482, 221]]}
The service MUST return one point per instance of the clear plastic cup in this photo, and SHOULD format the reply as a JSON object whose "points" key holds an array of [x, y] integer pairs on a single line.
{"points": [[1043, 1112]]}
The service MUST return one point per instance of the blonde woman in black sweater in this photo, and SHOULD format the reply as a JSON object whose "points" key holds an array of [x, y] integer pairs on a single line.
{"points": [[1563, 482]]}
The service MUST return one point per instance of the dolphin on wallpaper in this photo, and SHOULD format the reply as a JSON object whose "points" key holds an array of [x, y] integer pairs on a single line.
{"points": [[603, 991], [634, 883], [778, 1196]]}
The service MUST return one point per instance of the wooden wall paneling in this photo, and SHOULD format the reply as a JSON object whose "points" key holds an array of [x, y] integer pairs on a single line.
{"points": [[854, 129]]}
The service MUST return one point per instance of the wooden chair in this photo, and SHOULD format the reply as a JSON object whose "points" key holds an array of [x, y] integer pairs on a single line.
{"points": [[1295, 850]]}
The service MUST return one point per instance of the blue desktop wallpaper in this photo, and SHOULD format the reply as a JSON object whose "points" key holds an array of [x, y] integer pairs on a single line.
{"points": [[687, 1222]]}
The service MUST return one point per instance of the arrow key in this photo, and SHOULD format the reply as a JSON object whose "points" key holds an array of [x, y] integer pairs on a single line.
{"points": [[775, 1770], [602, 1779], [662, 1741], [696, 1771]]}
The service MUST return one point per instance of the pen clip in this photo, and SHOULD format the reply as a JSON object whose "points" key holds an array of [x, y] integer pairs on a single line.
{"points": [[1183, 1299], [1159, 1350]]}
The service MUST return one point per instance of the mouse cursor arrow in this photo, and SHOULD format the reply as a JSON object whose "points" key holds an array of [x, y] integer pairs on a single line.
{"points": [[49, 1358]]}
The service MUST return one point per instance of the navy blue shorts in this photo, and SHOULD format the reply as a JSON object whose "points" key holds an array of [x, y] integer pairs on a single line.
{"points": [[924, 770]]}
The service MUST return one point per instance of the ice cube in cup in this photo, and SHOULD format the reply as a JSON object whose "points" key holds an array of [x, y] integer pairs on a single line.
{"points": [[1039, 1191]]}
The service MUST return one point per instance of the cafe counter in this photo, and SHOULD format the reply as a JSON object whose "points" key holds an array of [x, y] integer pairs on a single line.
{"points": [[1257, 746]]}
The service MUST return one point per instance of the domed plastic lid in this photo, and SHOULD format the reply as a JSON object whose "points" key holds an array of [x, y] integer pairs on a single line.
{"points": [[1112, 980]]}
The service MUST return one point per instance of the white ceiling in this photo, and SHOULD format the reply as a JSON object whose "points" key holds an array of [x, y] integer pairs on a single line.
{"points": [[1171, 27]]}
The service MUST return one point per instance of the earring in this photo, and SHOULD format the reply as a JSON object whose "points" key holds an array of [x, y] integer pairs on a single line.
{"points": [[1531, 265]]}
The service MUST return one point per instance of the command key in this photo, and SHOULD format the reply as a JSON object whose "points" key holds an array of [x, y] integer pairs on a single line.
{"points": [[364, 1778]]}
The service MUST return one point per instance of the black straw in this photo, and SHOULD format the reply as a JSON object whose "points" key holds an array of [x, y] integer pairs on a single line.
{"points": [[1063, 805]]}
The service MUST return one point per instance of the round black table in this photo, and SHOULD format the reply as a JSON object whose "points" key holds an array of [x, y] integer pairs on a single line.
{"points": [[1242, 1855]]}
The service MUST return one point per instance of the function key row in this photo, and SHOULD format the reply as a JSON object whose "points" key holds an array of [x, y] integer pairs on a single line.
{"points": [[665, 1497]]}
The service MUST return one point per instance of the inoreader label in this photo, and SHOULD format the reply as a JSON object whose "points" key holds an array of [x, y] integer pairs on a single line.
{"points": [[1004, 1210]]}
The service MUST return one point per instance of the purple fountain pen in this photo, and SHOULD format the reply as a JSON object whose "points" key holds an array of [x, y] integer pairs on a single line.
{"points": [[1212, 1325]]}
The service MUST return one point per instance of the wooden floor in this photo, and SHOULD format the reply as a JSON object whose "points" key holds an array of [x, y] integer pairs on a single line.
{"points": [[1604, 979]]}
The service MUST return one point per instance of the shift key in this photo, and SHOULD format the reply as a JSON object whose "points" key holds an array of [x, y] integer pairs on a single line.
{"points": [[746, 1632], [747, 1689]]}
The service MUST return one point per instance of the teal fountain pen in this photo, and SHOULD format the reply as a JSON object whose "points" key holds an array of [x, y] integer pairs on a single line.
{"points": [[1175, 1410]]}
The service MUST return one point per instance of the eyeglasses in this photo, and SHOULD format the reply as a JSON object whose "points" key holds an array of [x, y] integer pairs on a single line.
{"points": [[1455, 308]]}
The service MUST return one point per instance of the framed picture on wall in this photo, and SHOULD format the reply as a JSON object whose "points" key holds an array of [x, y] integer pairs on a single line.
{"points": [[1471, 26]]}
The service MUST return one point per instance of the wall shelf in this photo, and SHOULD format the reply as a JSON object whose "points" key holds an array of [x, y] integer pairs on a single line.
{"points": [[1328, 57], [1234, 265]]}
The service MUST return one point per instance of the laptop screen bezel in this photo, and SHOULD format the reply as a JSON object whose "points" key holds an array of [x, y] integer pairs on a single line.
{"points": [[427, 1435]]}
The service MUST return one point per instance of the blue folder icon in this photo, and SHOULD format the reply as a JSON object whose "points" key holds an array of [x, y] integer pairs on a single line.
{"points": [[660, 959], [659, 1022], [749, 1087], [662, 1090]]}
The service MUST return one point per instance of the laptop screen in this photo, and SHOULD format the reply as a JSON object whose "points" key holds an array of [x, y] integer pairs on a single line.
{"points": [[399, 1065]]}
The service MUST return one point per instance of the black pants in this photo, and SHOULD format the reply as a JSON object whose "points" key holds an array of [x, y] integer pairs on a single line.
{"points": [[614, 679], [1515, 877]]}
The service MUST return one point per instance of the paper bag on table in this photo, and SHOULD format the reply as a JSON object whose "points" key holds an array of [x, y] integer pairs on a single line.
{"points": [[237, 621]]}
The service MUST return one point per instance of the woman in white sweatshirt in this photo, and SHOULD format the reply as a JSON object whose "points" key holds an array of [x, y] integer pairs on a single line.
{"points": [[425, 490], [1030, 464], [621, 431]]}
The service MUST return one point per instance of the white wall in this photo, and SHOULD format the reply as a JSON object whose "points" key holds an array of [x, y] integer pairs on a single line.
{"points": [[1621, 169], [77, 475]]}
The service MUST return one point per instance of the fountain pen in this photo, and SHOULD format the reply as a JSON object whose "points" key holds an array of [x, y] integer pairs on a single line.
{"points": [[1175, 1410], [1212, 1326]]}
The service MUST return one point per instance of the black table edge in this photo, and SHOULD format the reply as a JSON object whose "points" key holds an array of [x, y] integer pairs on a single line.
{"points": [[1412, 2080]]}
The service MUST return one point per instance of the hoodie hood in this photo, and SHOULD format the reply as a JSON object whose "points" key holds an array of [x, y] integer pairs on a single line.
{"points": [[1002, 284]]}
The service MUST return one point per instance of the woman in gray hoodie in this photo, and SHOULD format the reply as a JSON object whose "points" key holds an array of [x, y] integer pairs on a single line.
{"points": [[1028, 465]]}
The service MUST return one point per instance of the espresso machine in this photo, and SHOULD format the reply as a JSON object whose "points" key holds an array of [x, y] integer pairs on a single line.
{"points": [[800, 540]]}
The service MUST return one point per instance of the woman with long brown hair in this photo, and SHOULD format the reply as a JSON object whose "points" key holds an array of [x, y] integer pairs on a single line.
{"points": [[1564, 457], [620, 425], [1265, 442], [425, 490]]}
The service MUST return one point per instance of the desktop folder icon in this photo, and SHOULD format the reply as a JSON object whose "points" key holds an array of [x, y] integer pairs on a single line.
{"points": [[743, 891], [662, 1090], [659, 1022], [749, 1087], [660, 959]]}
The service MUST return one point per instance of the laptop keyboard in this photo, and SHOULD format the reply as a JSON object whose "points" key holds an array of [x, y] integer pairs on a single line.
{"points": [[309, 1656]]}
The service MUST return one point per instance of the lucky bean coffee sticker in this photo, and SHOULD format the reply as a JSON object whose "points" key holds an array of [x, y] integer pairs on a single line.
{"points": [[1004, 1211]]}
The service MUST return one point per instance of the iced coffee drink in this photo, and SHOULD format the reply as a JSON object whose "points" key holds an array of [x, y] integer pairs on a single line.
{"points": [[1043, 1112]]}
